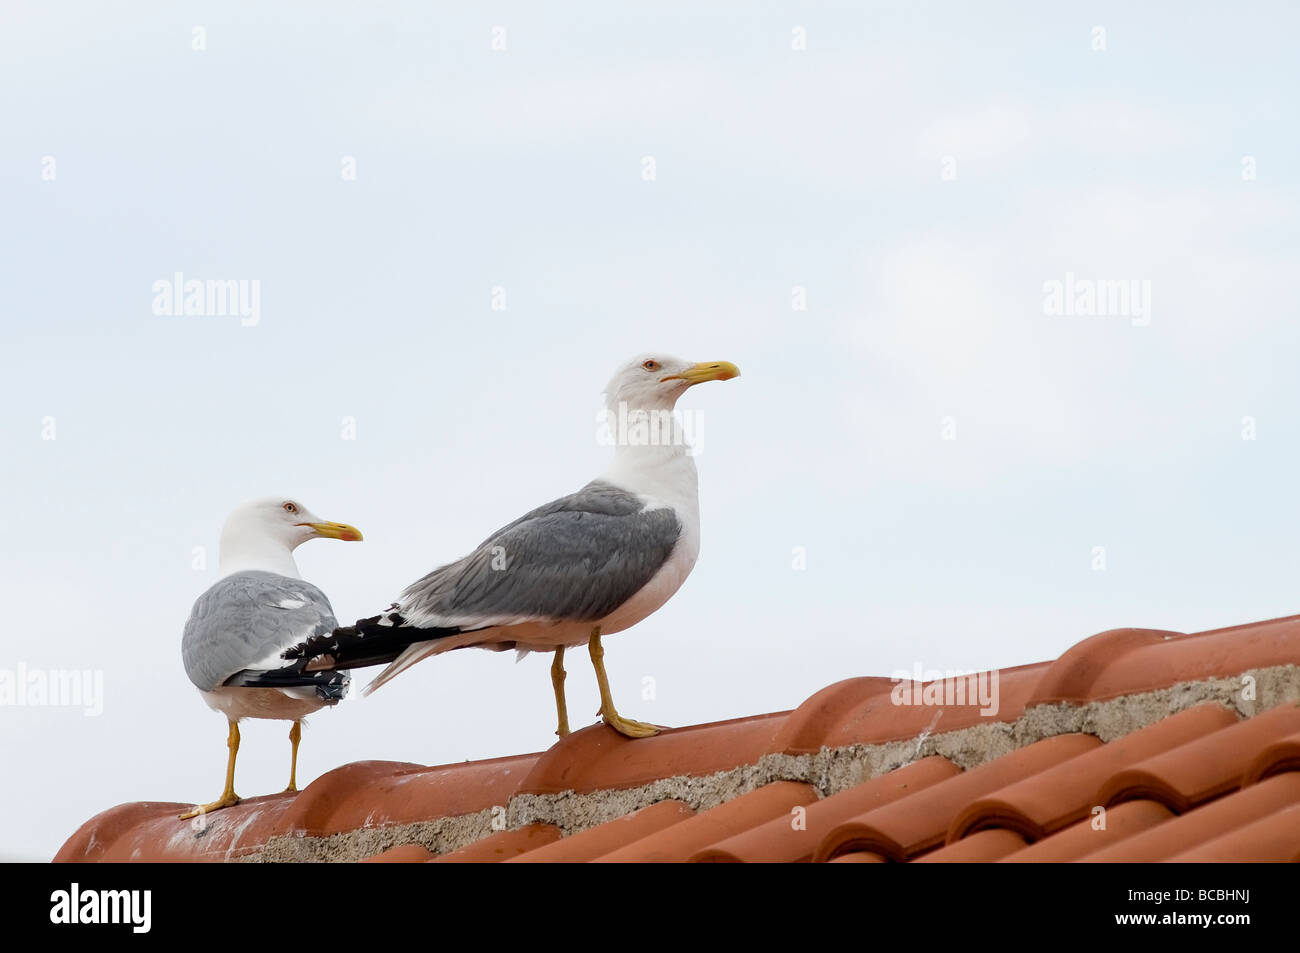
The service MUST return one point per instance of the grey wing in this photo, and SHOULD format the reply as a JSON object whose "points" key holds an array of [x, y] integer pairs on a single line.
{"points": [[246, 620], [578, 558]]}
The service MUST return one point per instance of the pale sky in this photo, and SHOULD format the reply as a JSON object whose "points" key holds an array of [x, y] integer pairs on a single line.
{"points": [[922, 171]]}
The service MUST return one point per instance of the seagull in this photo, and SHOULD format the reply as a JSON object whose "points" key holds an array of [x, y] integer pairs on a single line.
{"points": [[589, 564], [259, 607]]}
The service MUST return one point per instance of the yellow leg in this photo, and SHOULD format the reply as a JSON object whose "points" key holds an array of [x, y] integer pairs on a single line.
{"points": [[228, 795], [624, 726], [557, 681], [295, 735]]}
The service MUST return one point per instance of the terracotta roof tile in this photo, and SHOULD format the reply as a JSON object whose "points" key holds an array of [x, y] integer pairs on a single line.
{"points": [[1081, 674], [606, 838], [599, 758], [875, 718], [1085, 837], [860, 857], [1271, 839], [1128, 661], [982, 847], [151, 830], [1205, 823], [779, 841], [1157, 728], [1195, 772], [344, 799], [1281, 755], [1045, 802], [677, 843], [920, 822], [807, 728]]}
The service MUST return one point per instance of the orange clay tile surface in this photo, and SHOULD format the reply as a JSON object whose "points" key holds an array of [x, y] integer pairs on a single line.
{"points": [[1135, 745]]}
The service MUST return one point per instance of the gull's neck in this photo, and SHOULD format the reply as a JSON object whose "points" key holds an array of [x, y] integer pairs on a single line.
{"points": [[243, 551], [663, 470]]}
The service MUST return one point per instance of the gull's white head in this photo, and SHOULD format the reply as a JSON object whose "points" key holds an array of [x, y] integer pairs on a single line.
{"points": [[262, 534], [655, 381]]}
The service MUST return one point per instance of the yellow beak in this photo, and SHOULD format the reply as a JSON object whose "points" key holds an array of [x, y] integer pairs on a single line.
{"points": [[336, 531], [707, 371]]}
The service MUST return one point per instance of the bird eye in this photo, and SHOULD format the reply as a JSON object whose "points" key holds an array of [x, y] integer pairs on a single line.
{"points": [[290, 508], [650, 365]]}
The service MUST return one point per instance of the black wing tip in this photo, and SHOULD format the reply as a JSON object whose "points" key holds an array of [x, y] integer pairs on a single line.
{"points": [[331, 687]]}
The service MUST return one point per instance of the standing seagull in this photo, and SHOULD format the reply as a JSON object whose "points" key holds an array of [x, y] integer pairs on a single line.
{"points": [[258, 608], [595, 562]]}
